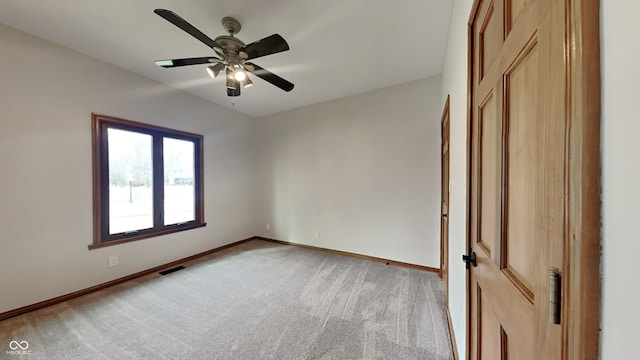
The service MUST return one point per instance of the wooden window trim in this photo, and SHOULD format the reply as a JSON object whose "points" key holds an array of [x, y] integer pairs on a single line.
{"points": [[101, 183]]}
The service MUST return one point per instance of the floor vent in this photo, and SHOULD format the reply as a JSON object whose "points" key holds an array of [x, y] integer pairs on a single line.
{"points": [[169, 271]]}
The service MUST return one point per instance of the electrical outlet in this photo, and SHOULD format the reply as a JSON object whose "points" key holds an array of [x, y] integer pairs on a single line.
{"points": [[268, 226], [317, 234], [113, 261]]}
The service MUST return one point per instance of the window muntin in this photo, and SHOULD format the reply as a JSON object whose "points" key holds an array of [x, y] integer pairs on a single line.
{"points": [[148, 181]]}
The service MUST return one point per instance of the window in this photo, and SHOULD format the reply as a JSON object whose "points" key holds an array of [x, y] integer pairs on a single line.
{"points": [[147, 181]]}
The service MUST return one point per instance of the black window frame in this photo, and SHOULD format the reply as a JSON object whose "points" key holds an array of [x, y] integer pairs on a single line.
{"points": [[100, 125]]}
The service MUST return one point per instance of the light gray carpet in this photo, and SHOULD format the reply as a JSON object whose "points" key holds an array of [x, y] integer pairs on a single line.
{"points": [[257, 300]]}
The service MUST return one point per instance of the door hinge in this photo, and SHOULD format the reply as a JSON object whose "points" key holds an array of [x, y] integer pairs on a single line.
{"points": [[555, 296]]}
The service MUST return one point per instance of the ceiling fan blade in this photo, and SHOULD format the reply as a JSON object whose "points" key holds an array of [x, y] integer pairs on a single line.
{"points": [[184, 25], [267, 46], [171, 63], [269, 77]]}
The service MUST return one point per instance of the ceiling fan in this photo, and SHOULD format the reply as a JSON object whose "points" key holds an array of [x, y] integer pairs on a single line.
{"points": [[233, 54]]}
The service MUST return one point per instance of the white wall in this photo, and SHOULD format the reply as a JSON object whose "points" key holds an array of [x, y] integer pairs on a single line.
{"points": [[620, 179], [47, 94], [454, 84], [364, 170]]}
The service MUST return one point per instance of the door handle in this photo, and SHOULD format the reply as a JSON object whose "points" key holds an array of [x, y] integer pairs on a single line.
{"points": [[470, 259]]}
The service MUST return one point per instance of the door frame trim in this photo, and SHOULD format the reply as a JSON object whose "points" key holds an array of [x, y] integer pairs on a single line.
{"points": [[445, 113], [581, 283], [581, 335]]}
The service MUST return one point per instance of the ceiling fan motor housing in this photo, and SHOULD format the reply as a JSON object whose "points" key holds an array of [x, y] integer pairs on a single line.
{"points": [[230, 46]]}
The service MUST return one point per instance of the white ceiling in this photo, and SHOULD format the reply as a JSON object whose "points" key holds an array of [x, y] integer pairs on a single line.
{"points": [[338, 47]]}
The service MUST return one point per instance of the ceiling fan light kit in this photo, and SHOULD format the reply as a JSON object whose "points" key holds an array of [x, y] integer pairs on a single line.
{"points": [[233, 54], [214, 70]]}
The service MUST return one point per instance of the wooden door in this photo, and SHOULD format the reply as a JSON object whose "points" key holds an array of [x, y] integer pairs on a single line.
{"points": [[444, 196], [521, 160]]}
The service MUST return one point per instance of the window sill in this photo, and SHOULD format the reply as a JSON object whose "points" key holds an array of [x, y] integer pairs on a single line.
{"points": [[102, 244]]}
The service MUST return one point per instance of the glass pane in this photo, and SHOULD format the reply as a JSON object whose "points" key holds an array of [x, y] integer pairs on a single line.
{"points": [[179, 189], [130, 181]]}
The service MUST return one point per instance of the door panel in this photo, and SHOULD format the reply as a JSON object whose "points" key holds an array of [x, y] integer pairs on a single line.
{"points": [[490, 329], [517, 193], [489, 177], [533, 201], [511, 351], [514, 7], [490, 36], [523, 151]]}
